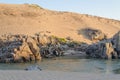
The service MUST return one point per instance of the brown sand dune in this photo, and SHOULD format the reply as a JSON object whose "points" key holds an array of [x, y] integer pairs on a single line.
{"points": [[30, 19]]}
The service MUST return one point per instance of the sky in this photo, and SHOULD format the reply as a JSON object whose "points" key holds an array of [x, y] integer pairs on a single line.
{"points": [[103, 8]]}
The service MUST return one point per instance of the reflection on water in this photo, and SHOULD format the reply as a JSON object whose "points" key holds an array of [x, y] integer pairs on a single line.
{"points": [[71, 65], [117, 71]]}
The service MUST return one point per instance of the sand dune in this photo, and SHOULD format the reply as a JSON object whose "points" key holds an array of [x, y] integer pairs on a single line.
{"points": [[31, 19]]}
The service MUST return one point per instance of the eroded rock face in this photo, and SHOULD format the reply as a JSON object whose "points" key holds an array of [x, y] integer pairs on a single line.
{"points": [[51, 51], [34, 48], [116, 43], [108, 49], [23, 53], [21, 48], [102, 50]]}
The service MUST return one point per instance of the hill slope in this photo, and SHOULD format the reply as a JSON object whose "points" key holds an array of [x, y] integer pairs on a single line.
{"points": [[31, 19]]}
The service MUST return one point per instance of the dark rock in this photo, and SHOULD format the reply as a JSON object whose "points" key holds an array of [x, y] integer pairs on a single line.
{"points": [[33, 67], [22, 48], [116, 43], [107, 49], [93, 34]]}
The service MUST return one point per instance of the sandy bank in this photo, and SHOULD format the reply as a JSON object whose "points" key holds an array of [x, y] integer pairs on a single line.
{"points": [[53, 75]]}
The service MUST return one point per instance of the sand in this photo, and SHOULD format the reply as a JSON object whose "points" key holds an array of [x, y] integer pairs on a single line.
{"points": [[31, 19], [53, 75]]}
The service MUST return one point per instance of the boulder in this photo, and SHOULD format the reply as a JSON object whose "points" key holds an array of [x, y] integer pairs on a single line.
{"points": [[23, 53], [116, 42], [109, 51], [94, 34], [33, 67], [34, 48], [103, 50], [109, 48], [43, 40]]}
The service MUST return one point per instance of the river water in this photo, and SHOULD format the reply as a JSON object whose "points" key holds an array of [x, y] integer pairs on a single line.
{"points": [[70, 65]]}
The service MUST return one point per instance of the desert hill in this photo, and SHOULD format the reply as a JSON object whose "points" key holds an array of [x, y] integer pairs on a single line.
{"points": [[30, 19]]}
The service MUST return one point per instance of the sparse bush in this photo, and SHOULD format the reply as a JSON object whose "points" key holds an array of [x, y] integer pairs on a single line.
{"points": [[35, 6], [62, 40]]}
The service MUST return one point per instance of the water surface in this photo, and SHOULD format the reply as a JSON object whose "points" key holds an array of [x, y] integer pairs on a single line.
{"points": [[70, 65]]}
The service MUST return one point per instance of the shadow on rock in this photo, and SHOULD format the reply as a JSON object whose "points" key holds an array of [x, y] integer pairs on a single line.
{"points": [[92, 34]]}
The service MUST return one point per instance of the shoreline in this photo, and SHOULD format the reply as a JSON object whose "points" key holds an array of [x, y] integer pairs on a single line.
{"points": [[53, 75]]}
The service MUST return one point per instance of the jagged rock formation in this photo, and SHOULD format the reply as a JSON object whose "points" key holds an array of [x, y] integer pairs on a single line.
{"points": [[102, 50], [107, 49], [22, 48]]}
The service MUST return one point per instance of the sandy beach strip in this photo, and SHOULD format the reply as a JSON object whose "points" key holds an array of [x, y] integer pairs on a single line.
{"points": [[53, 75]]}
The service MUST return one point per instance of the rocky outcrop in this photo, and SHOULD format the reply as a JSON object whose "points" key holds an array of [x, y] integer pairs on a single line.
{"points": [[101, 50], [34, 48], [94, 34], [51, 51], [23, 53], [22, 48], [116, 43], [19, 48], [107, 49]]}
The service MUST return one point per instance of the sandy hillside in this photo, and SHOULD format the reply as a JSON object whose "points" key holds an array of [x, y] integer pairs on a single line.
{"points": [[31, 19]]}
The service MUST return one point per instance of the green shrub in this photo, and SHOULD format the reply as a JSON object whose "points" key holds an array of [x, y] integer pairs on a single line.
{"points": [[33, 5], [62, 40]]}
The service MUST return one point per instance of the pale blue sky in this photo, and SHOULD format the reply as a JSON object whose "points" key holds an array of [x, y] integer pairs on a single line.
{"points": [[105, 8]]}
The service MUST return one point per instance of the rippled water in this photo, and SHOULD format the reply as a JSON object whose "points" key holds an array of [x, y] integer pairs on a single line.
{"points": [[70, 65]]}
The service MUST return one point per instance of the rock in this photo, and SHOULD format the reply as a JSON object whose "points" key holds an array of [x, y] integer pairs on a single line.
{"points": [[1, 43], [33, 67], [116, 42], [103, 50], [95, 35], [6, 58], [34, 48], [51, 51], [23, 53], [22, 48], [109, 51], [43, 40], [109, 48]]}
